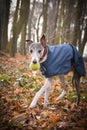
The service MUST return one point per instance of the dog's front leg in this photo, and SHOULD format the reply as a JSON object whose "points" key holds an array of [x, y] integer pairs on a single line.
{"points": [[40, 92], [46, 95]]}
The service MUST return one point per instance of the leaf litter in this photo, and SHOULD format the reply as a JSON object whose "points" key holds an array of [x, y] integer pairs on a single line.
{"points": [[18, 85]]}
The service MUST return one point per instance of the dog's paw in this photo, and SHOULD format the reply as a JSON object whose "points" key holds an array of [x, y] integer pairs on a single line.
{"points": [[46, 104], [61, 95], [32, 105], [59, 98]]}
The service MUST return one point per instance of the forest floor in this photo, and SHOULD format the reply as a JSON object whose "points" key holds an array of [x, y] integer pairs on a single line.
{"points": [[18, 86]]}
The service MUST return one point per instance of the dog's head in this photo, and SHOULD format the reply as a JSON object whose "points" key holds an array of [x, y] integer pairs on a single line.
{"points": [[38, 51]]}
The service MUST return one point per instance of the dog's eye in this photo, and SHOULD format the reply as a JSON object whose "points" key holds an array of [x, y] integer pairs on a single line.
{"points": [[31, 51], [39, 51]]}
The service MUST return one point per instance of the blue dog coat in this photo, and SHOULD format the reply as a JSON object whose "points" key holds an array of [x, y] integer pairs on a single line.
{"points": [[59, 61]]}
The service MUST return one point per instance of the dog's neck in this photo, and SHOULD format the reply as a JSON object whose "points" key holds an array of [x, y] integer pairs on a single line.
{"points": [[44, 57]]}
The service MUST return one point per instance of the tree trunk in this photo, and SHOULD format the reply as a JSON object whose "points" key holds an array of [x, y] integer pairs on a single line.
{"points": [[58, 38], [45, 14], [52, 21], [67, 21], [18, 25], [80, 25], [37, 31], [77, 24], [4, 18], [82, 46], [12, 45], [22, 48], [30, 20]]}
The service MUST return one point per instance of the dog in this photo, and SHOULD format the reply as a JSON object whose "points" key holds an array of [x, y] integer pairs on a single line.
{"points": [[56, 60]]}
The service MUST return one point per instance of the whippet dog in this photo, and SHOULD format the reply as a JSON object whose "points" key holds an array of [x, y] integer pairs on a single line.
{"points": [[56, 60]]}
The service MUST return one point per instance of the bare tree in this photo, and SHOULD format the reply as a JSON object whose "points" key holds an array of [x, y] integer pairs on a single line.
{"points": [[45, 15], [52, 20], [80, 25], [72, 21], [4, 18], [31, 14], [58, 37], [18, 25]]}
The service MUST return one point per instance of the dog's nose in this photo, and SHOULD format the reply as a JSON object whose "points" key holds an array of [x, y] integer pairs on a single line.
{"points": [[34, 61]]}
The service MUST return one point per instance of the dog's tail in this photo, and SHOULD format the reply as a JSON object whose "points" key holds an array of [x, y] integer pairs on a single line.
{"points": [[76, 84]]}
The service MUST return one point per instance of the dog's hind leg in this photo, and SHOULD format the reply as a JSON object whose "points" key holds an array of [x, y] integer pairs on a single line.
{"points": [[62, 79], [76, 84], [40, 92]]}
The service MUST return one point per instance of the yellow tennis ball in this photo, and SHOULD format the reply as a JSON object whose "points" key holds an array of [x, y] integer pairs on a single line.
{"points": [[34, 66]]}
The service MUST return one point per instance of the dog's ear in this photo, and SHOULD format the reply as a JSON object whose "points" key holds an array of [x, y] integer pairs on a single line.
{"points": [[43, 40], [29, 42]]}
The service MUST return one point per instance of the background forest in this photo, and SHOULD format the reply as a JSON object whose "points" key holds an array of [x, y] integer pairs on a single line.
{"points": [[61, 21]]}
